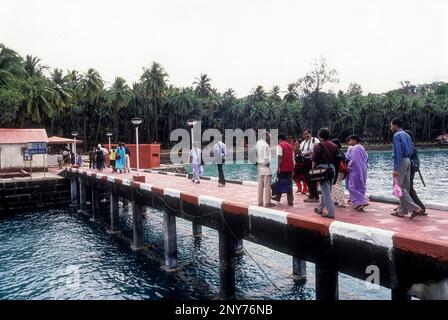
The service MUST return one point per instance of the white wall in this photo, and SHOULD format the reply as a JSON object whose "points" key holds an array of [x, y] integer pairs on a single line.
{"points": [[11, 156]]}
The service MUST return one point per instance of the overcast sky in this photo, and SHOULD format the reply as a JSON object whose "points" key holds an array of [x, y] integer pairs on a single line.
{"points": [[239, 43]]}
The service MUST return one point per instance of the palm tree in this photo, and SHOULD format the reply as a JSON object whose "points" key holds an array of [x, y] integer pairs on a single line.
{"points": [[154, 89], [292, 93], [33, 67], [203, 86], [38, 96], [91, 88], [10, 64], [118, 97]]}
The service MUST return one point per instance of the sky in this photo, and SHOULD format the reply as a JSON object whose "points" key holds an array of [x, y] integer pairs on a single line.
{"points": [[239, 44]]}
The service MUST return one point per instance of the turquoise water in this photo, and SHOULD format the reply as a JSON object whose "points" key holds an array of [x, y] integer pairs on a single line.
{"points": [[434, 168], [62, 255]]}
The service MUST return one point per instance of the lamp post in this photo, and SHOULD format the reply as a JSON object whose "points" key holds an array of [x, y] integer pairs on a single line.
{"points": [[109, 135], [74, 135], [191, 124], [136, 122]]}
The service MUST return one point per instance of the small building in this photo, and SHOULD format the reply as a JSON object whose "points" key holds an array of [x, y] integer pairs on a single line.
{"points": [[13, 146]]}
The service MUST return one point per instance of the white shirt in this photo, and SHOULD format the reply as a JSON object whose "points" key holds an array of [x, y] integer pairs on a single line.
{"points": [[263, 156], [195, 155], [307, 146], [219, 152]]}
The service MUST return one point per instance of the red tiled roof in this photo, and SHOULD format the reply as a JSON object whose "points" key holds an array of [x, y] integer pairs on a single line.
{"points": [[22, 136]]}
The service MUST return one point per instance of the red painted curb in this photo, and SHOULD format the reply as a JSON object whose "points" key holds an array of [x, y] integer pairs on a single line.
{"points": [[135, 184], [312, 224], [235, 208], [189, 198], [159, 191], [428, 247]]}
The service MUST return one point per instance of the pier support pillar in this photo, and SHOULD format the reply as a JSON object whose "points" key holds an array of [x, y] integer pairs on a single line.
{"points": [[197, 229], [114, 213], [74, 192], [125, 202], [298, 270], [95, 204], [239, 248], [227, 244], [82, 196], [400, 293], [137, 221], [169, 232], [326, 281]]}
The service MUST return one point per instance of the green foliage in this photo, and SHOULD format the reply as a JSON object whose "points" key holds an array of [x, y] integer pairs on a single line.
{"points": [[63, 101]]}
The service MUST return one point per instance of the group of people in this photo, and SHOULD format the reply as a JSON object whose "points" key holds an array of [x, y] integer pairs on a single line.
{"points": [[219, 154], [320, 161], [119, 158]]}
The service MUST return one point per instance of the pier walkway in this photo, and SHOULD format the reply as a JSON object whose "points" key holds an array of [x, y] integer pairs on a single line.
{"points": [[407, 252]]}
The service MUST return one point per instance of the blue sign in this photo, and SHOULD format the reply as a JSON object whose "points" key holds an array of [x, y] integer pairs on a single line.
{"points": [[37, 148]]}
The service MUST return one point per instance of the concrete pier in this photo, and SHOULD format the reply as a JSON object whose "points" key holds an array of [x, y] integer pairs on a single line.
{"points": [[348, 244], [170, 237], [114, 213], [298, 270], [137, 223]]}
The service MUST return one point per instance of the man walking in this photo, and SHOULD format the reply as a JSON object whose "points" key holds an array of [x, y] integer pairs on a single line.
{"points": [[307, 148], [195, 160], [325, 157], [403, 149], [219, 155], [263, 156], [285, 167]]}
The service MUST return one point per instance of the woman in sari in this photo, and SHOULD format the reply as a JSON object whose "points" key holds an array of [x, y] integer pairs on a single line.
{"points": [[357, 166], [120, 158]]}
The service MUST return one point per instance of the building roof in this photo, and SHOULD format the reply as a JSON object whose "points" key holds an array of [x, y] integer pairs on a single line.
{"points": [[22, 136], [60, 140]]}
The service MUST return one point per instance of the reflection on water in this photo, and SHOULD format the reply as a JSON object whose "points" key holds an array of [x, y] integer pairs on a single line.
{"points": [[62, 255]]}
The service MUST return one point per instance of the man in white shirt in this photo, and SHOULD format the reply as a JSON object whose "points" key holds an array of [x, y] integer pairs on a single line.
{"points": [[263, 156], [195, 160], [219, 155], [307, 148]]}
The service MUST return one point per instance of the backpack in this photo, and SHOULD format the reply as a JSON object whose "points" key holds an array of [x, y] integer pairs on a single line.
{"points": [[415, 161]]}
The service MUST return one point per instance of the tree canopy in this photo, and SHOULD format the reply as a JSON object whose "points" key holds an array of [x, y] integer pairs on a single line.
{"points": [[33, 95]]}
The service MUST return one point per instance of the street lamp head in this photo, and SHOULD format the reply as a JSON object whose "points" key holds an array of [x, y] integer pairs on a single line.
{"points": [[109, 134], [74, 134], [192, 122], [136, 121]]}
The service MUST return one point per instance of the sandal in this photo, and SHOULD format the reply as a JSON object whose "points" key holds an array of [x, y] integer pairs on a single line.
{"points": [[327, 216], [316, 210], [396, 214], [416, 213]]}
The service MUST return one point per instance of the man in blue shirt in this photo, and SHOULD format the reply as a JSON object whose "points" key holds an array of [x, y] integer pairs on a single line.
{"points": [[403, 148]]}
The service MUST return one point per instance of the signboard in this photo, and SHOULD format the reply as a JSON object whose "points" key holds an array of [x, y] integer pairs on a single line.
{"points": [[27, 157], [37, 148]]}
